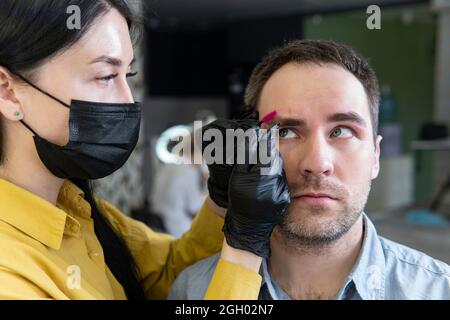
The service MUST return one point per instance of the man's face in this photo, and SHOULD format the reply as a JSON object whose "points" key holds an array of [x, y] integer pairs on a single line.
{"points": [[328, 148]]}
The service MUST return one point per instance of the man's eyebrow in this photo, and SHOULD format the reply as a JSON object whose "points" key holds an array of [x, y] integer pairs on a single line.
{"points": [[337, 117], [287, 122], [111, 60], [347, 116]]}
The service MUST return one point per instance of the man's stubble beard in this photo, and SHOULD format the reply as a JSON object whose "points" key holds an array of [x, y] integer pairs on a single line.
{"points": [[296, 230]]}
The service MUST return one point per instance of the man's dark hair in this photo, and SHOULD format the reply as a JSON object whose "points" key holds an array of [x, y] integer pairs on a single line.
{"points": [[319, 52]]}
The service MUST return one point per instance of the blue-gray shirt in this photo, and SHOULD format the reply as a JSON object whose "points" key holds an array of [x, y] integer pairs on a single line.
{"points": [[384, 270]]}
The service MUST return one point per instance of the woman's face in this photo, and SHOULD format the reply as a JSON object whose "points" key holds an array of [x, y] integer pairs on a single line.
{"points": [[94, 69]]}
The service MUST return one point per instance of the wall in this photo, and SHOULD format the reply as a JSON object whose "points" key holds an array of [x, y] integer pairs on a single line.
{"points": [[402, 56]]}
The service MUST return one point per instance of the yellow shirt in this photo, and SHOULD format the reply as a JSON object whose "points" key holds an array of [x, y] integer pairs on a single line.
{"points": [[52, 252]]}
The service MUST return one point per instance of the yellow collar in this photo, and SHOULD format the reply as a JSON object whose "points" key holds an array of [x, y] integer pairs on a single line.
{"points": [[39, 218]]}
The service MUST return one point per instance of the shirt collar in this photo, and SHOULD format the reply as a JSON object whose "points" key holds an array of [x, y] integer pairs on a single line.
{"points": [[39, 218], [275, 292], [367, 275], [369, 272]]}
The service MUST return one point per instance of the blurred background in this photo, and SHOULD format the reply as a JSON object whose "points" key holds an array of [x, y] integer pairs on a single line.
{"points": [[194, 62]]}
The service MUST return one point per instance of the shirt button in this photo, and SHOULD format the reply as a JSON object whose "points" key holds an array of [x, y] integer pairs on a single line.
{"points": [[80, 203]]}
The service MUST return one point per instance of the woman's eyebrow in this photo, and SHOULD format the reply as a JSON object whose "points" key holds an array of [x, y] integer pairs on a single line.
{"points": [[111, 60]]}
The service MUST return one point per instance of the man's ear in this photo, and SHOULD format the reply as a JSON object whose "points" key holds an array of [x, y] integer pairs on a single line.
{"points": [[10, 106], [376, 155]]}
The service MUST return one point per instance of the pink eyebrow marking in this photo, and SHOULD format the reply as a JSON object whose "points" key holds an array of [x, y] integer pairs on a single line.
{"points": [[268, 117]]}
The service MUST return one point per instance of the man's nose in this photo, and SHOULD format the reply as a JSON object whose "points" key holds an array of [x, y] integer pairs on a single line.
{"points": [[316, 157]]}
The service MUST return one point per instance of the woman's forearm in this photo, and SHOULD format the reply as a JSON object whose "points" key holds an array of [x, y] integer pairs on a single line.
{"points": [[243, 258], [236, 276], [215, 208]]}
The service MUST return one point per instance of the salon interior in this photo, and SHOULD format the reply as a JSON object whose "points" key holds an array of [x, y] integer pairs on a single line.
{"points": [[195, 58]]}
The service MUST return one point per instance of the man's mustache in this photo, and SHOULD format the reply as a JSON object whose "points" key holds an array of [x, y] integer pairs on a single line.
{"points": [[316, 184]]}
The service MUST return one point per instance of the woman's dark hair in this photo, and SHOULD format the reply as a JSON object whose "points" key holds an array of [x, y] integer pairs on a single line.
{"points": [[117, 256], [32, 32]]}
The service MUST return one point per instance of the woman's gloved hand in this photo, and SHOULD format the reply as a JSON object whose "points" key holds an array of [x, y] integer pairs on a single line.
{"points": [[256, 201], [219, 173]]}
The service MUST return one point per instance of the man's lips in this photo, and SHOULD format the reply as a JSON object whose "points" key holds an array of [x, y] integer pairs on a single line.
{"points": [[315, 195], [317, 198]]}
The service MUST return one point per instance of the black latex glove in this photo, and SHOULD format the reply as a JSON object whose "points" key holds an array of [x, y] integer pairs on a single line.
{"points": [[219, 174], [257, 202]]}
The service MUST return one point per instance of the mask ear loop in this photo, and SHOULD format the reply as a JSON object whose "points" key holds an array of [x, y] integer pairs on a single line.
{"points": [[40, 90], [29, 128]]}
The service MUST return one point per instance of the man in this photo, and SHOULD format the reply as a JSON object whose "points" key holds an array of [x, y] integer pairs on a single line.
{"points": [[326, 97]]}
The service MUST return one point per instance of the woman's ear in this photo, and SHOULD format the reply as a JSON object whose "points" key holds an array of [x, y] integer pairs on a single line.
{"points": [[376, 162], [10, 106]]}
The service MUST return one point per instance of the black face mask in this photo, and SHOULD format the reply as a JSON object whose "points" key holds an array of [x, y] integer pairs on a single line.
{"points": [[101, 139]]}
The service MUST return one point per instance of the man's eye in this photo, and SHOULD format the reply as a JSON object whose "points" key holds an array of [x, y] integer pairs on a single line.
{"points": [[342, 132], [286, 133]]}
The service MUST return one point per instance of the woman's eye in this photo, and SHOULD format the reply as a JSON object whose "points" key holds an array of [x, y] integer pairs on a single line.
{"points": [[342, 132], [286, 133], [113, 76], [132, 74], [107, 78]]}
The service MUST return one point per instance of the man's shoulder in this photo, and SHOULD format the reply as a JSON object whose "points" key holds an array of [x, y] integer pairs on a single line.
{"points": [[411, 271], [192, 283], [403, 254]]}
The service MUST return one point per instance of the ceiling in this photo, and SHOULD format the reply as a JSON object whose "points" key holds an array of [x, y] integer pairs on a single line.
{"points": [[222, 11]]}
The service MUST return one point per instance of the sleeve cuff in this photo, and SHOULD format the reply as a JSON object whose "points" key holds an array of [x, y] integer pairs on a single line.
{"points": [[233, 282], [206, 229]]}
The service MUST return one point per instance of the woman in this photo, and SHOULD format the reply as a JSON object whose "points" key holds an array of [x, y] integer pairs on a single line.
{"points": [[56, 240], [67, 116]]}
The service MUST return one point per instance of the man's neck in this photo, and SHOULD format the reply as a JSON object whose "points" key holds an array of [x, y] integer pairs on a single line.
{"points": [[314, 273]]}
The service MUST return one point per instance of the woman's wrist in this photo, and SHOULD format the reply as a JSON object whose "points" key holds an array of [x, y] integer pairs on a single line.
{"points": [[215, 208], [243, 258]]}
